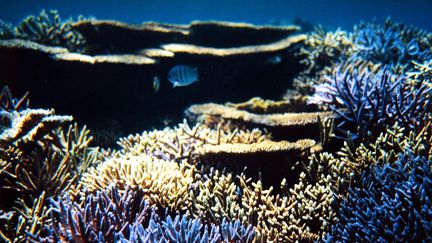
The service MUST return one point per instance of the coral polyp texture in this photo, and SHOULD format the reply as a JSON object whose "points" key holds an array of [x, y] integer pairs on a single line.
{"points": [[345, 155]]}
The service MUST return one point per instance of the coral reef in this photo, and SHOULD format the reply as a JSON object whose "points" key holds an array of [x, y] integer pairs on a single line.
{"points": [[133, 55], [208, 193], [259, 106], [264, 170], [109, 216], [283, 126], [41, 157], [392, 203], [323, 49], [392, 43], [369, 101]]}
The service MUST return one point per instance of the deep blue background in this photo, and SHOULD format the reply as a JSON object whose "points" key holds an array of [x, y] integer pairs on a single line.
{"points": [[331, 13]]}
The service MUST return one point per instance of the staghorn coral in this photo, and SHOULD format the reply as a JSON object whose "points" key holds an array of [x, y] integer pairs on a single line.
{"points": [[321, 51], [223, 148], [344, 170], [163, 182], [109, 215], [8, 103], [47, 29], [392, 203], [6, 30], [368, 101], [177, 143], [39, 160], [171, 171], [421, 72], [210, 194], [392, 43], [19, 124], [325, 49], [304, 211], [43, 168]]}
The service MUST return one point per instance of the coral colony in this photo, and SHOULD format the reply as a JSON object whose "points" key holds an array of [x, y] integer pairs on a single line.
{"points": [[344, 156]]}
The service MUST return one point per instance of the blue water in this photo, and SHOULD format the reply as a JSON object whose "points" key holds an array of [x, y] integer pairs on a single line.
{"points": [[332, 14]]}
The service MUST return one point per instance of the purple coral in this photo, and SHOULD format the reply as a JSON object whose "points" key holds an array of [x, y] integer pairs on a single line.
{"points": [[127, 217], [393, 203], [392, 43], [369, 101]]}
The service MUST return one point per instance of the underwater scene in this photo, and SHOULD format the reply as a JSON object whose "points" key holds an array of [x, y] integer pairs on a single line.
{"points": [[215, 121]]}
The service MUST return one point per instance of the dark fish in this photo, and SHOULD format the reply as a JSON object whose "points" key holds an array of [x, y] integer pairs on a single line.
{"points": [[156, 83], [182, 75]]}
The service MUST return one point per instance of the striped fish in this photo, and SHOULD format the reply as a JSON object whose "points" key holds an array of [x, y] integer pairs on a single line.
{"points": [[182, 75]]}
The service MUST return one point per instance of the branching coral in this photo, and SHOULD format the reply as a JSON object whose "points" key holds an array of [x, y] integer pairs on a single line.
{"points": [[346, 173], [323, 49], [392, 43], [210, 194], [392, 203], [47, 29], [8, 103], [177, 143], [369, 101], [39, 160], [108, 215], [177, 185], [163, 182]]}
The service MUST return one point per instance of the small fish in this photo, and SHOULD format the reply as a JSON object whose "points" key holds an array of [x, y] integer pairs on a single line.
{"points": [[276, 59], [156, 83], [182, 75]]}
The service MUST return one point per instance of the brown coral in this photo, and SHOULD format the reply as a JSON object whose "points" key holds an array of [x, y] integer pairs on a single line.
{"points": [[38, 160]]}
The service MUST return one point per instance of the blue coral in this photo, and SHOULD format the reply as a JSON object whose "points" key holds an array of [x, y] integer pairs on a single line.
{"points": [[393, 203], [367, 102], [114, 216], [392, 43]]}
